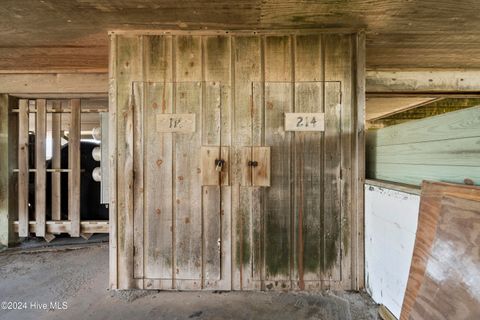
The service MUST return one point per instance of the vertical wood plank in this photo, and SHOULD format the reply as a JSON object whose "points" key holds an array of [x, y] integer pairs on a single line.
{"points": [[129, 63], [338, 67], [308, 164], [23, 168], [112, 159], [40, 172], [358, 220], [216, 131], [278, 205], [188, 191], [56, 160], [158, 148], [8, 161], [247, 69], [138, 178], [74, 166]]}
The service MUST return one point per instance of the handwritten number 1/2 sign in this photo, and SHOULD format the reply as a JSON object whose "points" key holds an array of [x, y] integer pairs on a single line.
{"points": [[176, 122], [304, 122]]}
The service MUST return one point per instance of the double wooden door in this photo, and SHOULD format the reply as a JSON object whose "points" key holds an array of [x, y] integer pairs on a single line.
{"points": [[224, 196]]}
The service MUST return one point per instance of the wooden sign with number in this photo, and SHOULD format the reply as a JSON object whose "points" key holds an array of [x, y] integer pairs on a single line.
{"points": [[304, 122], [176, 122]]}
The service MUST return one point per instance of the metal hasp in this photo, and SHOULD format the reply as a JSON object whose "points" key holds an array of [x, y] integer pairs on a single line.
{"points": [[215, 166], [256, 166]]}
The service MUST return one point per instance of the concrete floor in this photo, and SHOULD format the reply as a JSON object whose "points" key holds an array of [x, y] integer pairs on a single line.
{"points": [[78, 275]]}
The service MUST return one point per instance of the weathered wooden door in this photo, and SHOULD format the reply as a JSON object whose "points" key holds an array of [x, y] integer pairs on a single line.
{"points": [[235, 161], [179, 238], [182, 235]]}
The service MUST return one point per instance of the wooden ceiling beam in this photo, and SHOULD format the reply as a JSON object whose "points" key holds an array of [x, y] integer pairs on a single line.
{"points": [[437, 81]]}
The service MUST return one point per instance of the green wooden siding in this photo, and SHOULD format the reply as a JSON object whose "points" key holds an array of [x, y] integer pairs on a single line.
{"points": [[442, 148]]}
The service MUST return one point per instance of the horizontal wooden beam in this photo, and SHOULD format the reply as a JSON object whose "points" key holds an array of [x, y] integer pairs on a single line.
{"points": [[91, 226], [423, 81], [54, 83]]}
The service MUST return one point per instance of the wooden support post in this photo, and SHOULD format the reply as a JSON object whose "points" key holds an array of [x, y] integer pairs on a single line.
{"points": [[23, 168], [40, 174], [56, 160], [358, 221], [74, 166], [8, 160]]}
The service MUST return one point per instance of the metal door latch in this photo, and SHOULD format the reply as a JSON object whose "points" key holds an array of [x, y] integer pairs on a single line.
{"points": [[252, 163], [219, 164]]}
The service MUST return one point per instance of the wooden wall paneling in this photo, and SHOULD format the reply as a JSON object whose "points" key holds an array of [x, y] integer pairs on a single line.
{"points": [[452, 125], [188, 208], [112, 165], [74, 166], [337, 204], [263, 220], [278, 205], [442, 147], [217, 132], [40, 161], [440, 152], [56, 160], [23, 167], [414, 174], [308, 163], [358, 191], [449, 289], [128, 69], [158, 155], [429, 213], [247, 69]]}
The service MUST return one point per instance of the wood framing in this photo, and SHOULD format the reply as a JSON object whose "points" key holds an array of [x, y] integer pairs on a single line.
{"points": [[86, 227], [8, 160], [74, 167], [423, 81], [53, 83]]}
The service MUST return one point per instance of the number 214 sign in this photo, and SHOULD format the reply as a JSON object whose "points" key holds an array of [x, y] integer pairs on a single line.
{"points": [[304, 122]]}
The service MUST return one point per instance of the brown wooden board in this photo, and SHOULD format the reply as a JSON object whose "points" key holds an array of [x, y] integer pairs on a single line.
{"points": [[217, 75], [450, 287], [128, 69], [429, 212], [278, 205], [56, 160], [40, 160], [247, 68], [339, 158], [308, 163], [23, 167], [187, 177], [74, 166]]}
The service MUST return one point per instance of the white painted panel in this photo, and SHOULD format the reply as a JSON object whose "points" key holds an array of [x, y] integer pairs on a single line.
{"points": [[390, 225]]}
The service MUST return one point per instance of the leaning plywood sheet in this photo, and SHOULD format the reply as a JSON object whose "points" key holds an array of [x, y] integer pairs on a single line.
{"points": [[390, 224], [450, 287], [431, 195]]}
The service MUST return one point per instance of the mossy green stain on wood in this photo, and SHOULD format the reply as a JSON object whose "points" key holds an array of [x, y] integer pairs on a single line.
{"points": [[243, 238], [277, 253]]}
